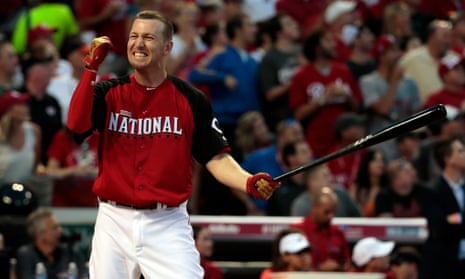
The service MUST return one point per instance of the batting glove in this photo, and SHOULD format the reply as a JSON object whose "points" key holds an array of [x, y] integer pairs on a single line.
{"points": [[261, 186], [99, 49]]}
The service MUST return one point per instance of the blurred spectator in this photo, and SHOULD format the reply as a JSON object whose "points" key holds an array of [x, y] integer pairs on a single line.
{"points": [[449, 258], [371, 178], [232, 8], [458, 32], [19, 139], [215, 38], [405, 263], [371, 255], [262, 43], [277, 68], [46, 248], [63, 21], [233, 77], [107, 18], [349, 128], [317, 180], [270, 158], [38, 69], [252, 133], [360, 61], [452, 73], [211, 12], [408, 145], [321, 91], [341, 20], [73, 168], [387, 94], [186, 41], [290, 253], [421, 64], [403, 198], [426, 166], [397, 20], [330, 249], [204, 244], [295, 154], [8, 64], [307, 13], [62, 86]]}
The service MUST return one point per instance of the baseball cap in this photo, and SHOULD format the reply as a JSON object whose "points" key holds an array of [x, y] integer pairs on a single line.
{"points": [[382, 44], [449, 62], [11, 98], [38, 32], [293, 243], [369, 248], [337, 8]]}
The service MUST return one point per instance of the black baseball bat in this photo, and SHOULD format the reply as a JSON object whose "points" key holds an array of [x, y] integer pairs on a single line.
{"points": [[396, 129]]}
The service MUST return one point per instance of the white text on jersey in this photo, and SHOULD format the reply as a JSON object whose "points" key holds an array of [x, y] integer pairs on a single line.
{"points": [[144, 126]]}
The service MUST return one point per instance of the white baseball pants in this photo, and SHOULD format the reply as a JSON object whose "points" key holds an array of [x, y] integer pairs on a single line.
{"points": [[156, 243]]}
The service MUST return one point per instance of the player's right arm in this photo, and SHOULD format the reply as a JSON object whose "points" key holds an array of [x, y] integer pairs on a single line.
{"points": [[80, 109]]}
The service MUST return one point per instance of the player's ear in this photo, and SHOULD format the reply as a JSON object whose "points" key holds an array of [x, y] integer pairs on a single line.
{"points": [[167, 48]]}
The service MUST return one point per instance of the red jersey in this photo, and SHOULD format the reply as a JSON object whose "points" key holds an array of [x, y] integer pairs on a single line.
{"points": [[327, 243], [148, 137], [446, 97], [211, 270], [73, 190], [344, 169], [307, 84]]}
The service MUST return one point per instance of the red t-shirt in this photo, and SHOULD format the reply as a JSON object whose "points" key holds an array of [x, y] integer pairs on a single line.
{"points": [[327, 243], [445, 97], [148, 137], [309, 83], [211, 270], [115, 27], [344, 169], [72, 190]]}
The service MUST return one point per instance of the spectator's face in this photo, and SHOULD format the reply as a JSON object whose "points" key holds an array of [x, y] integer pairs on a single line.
{"points": [[457, 157], [442, 38], [204, 243], [8, 59], [377, 166], [290, 28], [249, 29], [405, 270], [52, 232], [324, 212], [379, 264], [366, 39], [261, 132], [146, 44], [328, 46], [300, 261], [404, 179], [320, 178]]}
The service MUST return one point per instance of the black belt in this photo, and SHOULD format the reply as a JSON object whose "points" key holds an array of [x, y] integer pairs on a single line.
{"points": [[155, 205]]}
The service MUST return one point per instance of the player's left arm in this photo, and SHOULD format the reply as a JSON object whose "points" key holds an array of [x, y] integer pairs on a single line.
{"points": [[227, 171]]}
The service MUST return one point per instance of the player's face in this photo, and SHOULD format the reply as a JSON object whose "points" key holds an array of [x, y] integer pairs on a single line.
{"points": [[146, 45]]}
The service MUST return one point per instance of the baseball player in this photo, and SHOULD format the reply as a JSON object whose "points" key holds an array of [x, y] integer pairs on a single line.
{"points": [[151, 125]]}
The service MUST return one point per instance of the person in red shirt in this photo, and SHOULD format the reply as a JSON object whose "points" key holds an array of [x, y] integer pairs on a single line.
{"points": [[152, 126], [204, 244], [371, 255], [290, 253], [330, 249], [321, 91], [452, 72]]}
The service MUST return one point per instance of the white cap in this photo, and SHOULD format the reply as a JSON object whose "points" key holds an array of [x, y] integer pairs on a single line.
{"points": [[369, 248], [337, 8], [293, 243]]}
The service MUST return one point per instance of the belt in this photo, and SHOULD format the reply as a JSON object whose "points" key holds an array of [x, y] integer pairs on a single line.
{"points": [[153, 206]]}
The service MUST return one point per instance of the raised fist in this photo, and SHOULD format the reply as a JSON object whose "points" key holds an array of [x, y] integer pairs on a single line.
{"points": [[99, 49], [261, 186]]}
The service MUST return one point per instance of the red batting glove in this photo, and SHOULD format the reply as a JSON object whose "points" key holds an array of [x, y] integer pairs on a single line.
{"points": [[99, 49], [261, 186]]}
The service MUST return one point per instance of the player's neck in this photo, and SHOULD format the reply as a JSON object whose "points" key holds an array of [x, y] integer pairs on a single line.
{"points": [[150, 80]]}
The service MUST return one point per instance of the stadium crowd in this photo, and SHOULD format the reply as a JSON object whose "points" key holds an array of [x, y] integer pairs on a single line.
{"points": [[290, 81]]}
